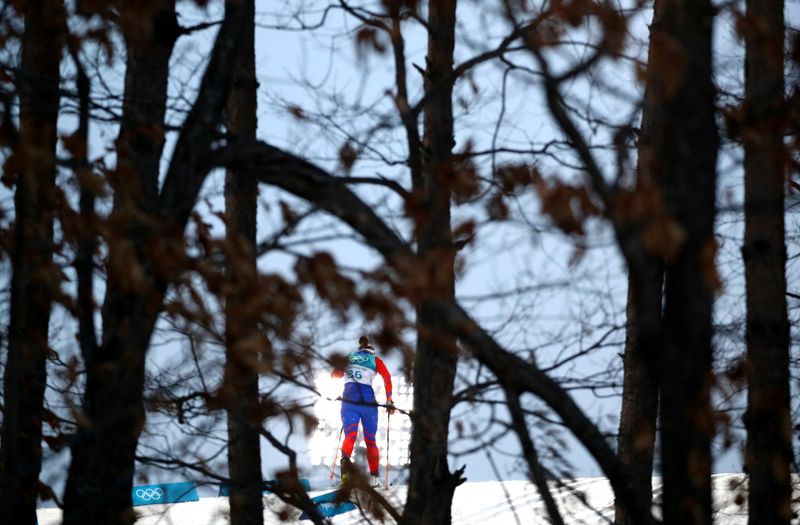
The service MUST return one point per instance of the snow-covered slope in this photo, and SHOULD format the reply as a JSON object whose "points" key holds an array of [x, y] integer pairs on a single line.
{"points": [[584, 500]]}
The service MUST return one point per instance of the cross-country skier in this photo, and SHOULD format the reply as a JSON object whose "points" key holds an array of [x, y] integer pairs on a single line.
{"points": [[358, 403]]}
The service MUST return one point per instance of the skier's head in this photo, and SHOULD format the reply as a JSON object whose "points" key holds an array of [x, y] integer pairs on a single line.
{"points": [[364, 344]]}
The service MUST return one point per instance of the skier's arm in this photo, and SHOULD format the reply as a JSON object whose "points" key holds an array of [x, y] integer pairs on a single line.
{"points": [[387, 377]]}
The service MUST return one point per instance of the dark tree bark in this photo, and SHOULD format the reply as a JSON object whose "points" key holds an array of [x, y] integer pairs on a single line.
{"points": [[144, 256], [679, 344], [639, 412], [101, 473], [637, 424], [683, 65], [35, 278], [768, 455], [431, 484], [536, 473], [243, 338], [86, 243]]}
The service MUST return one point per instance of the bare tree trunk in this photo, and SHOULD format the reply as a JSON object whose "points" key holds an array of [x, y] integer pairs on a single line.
{"points": [[639, 412], [242, 334], [431, 484], [86, 243], [35, 278], [768, 454], [637, 424], [101, 473], [683, 37], [145, 255]]}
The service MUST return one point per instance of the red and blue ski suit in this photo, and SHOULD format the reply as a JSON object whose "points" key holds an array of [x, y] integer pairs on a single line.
{"points": [[358, 402]]}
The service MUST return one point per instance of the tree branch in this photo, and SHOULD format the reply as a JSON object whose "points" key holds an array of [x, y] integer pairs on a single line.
{"points": [[529, 450], [184, 178]]}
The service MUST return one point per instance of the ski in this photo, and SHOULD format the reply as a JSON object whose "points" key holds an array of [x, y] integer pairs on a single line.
{"points": [[328, 507]]}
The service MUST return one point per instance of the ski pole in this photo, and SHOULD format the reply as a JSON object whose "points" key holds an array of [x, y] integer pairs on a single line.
{"points": [[388, 426], [336, 454]]}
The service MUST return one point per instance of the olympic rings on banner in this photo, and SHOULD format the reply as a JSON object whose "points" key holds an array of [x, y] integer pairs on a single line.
{"points": [[150, 494]]}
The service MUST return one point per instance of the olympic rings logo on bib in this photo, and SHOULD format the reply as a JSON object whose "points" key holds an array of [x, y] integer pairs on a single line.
{"points": [[150, 494]]}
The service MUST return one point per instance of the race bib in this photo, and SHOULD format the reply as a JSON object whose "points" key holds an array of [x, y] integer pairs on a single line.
{"points": [[360, 368]]}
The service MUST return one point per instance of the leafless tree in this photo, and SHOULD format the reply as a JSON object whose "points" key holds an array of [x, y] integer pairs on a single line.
{"points": [[35, 278], [769, 450]]}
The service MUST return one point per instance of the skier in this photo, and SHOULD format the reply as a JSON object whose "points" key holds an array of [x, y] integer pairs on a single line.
{"points": [[358, 403]]}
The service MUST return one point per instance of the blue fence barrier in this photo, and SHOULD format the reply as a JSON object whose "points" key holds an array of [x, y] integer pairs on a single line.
{"points": [[164, 493], [223, 489]]}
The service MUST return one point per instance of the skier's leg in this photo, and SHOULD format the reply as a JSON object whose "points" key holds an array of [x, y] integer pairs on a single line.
{"points": [[350, 417], [369, 421]]}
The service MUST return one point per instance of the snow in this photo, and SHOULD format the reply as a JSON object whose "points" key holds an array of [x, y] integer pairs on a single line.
{"points": [[582, 501]]}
